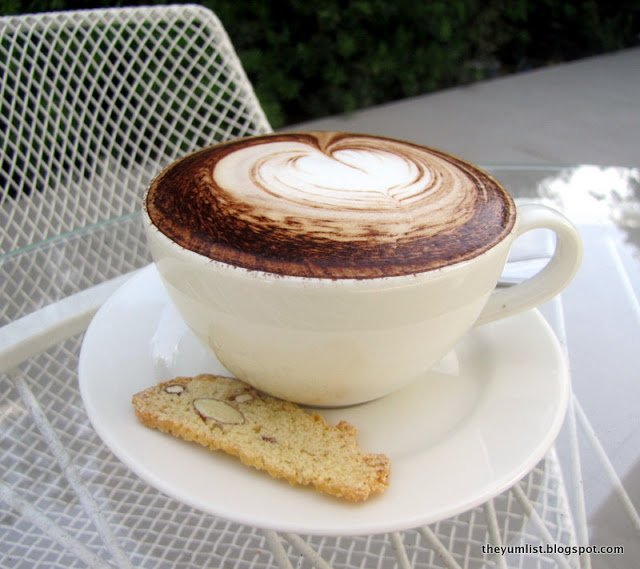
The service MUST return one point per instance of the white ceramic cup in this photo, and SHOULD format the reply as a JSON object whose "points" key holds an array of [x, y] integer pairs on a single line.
{"points": [[333, 342]]}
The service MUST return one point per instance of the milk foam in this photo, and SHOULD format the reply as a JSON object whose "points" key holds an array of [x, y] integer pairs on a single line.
{"points": [[348, 186], [329, 205]]}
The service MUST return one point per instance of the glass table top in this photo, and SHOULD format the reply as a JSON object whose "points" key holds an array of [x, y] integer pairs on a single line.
{"points": [[66, 501]]}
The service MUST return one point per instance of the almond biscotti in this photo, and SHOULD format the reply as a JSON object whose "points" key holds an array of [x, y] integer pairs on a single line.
{"points": [[269, 434]]}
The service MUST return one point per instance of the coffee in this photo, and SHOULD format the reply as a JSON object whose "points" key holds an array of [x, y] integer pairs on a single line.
{"points": [[330, 205], [345, 208]]}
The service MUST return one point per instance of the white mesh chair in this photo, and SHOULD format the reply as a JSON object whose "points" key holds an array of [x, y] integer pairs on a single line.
{"points": [[92, 105]]}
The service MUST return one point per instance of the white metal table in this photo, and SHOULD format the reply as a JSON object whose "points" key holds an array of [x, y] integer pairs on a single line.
{"points": [[66, 501]]}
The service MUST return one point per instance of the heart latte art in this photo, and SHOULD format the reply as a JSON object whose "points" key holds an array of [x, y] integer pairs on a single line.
{"points": [[330, 205]]}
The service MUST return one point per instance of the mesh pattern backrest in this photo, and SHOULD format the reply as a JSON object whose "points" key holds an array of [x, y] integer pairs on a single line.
{"points": [[94, 103]]}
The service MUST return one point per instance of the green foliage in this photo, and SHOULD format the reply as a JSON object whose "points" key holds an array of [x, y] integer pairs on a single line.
{"points": [[308, 59]]}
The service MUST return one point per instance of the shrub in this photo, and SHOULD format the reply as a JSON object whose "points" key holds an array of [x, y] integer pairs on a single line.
{"points": [[308, 60]]}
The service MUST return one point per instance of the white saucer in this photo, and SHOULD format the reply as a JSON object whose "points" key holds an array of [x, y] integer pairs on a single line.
{"points": [[464, 433]]}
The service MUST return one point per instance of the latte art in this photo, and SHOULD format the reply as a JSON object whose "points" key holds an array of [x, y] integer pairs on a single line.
{"points": [[351, 178], [330, 205], [349, 188]]}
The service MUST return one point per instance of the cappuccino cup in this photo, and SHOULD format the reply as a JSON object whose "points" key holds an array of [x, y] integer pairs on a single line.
{"points": [[331, 268]]}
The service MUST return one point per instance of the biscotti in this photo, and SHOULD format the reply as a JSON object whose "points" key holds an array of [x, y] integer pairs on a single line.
{"points": [[269, 434]]}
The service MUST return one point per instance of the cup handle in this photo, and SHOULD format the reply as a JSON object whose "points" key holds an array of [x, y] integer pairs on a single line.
{"points": [[554, 277]]}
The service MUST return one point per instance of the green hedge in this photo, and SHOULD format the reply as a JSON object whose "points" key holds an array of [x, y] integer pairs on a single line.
{"points": [[310, 59]]}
